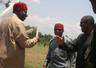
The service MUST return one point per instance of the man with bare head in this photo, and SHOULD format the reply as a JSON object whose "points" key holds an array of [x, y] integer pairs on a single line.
{"points": [[93, 48]]}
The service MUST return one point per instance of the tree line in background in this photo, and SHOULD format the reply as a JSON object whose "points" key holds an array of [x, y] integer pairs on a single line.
{"points": [[44, 39]]}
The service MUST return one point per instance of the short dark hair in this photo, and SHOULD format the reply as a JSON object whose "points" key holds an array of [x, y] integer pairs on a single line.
{"points": [[88, 18]]}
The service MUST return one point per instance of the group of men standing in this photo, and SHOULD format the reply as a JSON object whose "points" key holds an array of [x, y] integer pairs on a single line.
{"points": [[61, 52], [14, 40]]}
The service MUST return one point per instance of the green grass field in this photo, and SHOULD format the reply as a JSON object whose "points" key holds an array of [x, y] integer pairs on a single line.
{"points": [[34, 57]]}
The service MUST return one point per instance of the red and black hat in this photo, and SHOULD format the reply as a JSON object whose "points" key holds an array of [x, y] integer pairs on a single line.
{"points": [[19, 6], [59, 26]]}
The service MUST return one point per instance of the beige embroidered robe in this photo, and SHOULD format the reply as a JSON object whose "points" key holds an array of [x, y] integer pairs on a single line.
{"points": [[13, 41]]}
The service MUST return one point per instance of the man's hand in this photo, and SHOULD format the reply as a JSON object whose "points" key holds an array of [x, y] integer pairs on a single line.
{"points": [[59, 40], [43, 66], [35, 40]]}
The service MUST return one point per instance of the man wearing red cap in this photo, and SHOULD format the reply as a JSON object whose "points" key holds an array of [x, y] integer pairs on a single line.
{"points": [[13, 38], [57, 57]]}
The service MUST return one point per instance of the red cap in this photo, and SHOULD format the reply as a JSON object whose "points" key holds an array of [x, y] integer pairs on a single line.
{"points": [[59, 26], [19, 6]]}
